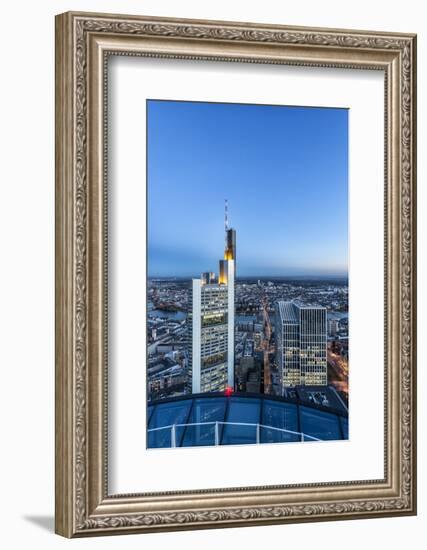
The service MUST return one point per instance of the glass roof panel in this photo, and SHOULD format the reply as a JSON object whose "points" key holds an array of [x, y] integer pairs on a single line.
{"points": [[166, 414], [344, 426], [160, 438], [319, 424], [204, 410], [241, 411], [279, 415]]}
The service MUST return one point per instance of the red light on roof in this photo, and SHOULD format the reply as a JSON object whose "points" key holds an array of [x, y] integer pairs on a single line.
{"points": [[228, 391]]}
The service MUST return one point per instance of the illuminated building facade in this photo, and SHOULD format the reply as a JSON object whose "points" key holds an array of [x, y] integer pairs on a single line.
{"points": [[301, 340], [230, 241], [211, 344]]}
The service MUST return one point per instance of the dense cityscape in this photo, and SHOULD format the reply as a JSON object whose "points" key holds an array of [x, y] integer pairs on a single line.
{"points": [[168, 311], [246, 360]]}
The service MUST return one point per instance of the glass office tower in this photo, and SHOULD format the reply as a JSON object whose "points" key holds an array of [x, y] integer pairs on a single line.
{"points": [[301, 340], [211, 326]]}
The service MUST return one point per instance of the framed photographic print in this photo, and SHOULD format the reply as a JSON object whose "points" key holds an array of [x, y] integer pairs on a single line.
{"points": [[240, 353], [235, 274]]}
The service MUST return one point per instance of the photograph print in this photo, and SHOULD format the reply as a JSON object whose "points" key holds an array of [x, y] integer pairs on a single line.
{"points": [[247, 288]]}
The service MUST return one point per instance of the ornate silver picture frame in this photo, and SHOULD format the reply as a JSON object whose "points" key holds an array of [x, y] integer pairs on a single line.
{"points": [[84, 43]]}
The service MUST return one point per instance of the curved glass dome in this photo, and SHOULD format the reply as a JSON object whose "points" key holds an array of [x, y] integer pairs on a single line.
{"points": [[217, 419]]}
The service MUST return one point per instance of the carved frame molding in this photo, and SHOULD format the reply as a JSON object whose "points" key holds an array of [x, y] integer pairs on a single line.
{"points": [[83, 43]]}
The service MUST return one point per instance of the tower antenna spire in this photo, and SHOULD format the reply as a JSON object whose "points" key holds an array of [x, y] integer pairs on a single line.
{"points": [[226, 214]]}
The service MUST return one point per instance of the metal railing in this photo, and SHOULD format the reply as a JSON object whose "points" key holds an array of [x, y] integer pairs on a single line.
{"points": [[258, 427]]}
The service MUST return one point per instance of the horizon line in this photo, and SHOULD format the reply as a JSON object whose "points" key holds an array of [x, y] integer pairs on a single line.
{"points": [[299, 276]]}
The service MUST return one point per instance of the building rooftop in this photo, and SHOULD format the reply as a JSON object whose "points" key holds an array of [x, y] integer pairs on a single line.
{"points": [[210, 419], [287, 312], [307, 305]]}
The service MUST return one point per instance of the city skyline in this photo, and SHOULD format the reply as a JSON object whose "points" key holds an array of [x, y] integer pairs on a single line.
{"points": [[302, 215], [237, 192]]}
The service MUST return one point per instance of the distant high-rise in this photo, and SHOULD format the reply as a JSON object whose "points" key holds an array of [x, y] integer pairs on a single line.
{"points": [[301, 339], [208, 278], [333, 325], [211, 325]]}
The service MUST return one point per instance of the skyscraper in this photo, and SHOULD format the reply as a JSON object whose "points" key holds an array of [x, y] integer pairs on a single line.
{"points": [[211, 327], [301, 336]]}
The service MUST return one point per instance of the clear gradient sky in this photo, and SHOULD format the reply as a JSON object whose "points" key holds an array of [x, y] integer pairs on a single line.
{"points": [[284, 171]]}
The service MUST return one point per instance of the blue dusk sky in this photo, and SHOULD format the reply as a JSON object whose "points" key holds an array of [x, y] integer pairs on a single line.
{"points": [[284, 171]]}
